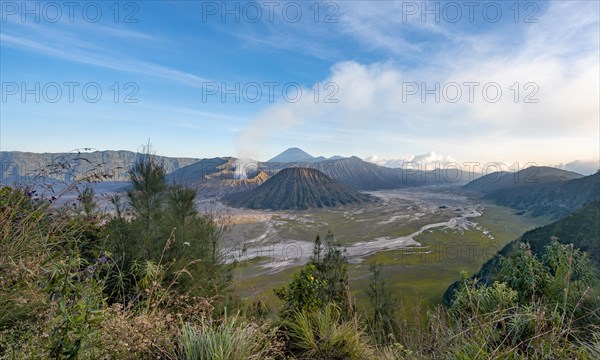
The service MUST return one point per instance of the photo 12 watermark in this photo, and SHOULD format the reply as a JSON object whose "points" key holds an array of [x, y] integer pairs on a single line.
{"points": [[270, 253], [438, 252], [70, 11], [455, 172], [273, 91], [69, 91], [471, 91], [469, 11], [270, 11], [406, 172]]}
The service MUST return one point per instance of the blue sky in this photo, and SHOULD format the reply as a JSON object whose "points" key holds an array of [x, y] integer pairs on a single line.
{"points": [[175, 58]]}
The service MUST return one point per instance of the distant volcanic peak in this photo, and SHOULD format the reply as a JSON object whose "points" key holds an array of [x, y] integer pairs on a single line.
{"points": [[298, 188], [292, 155], [297, 155]]}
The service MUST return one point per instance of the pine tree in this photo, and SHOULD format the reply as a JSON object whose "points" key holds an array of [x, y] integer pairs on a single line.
{"points": [[148, 179], [383, 323]]}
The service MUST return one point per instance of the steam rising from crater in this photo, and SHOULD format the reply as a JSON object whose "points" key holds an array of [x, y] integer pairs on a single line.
{"points": [[245, 168]]}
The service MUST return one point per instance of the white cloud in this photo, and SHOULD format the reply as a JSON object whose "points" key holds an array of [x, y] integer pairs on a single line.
{"points": [[430, 160], [558, 56], [585, 167]]}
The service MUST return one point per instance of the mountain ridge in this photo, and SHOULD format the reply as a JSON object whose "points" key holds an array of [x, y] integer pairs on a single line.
{"points": [[556, 193], [533, 175], [18, 166]]}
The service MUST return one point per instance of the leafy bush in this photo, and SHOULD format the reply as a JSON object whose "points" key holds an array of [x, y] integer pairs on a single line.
{"points": [[75, 288], [543, 309], [51, 292], [303, 292], [323, 280], [331, 264]]}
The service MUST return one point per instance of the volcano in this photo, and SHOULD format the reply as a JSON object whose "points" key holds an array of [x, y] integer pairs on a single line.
{"points": [[298, 189]]}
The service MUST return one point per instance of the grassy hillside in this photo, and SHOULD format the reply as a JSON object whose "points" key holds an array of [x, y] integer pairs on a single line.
{"points": [[581, 228]]}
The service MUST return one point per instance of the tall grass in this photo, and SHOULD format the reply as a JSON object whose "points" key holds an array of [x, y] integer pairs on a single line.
{"points": [[229, 339], [324, 334]]}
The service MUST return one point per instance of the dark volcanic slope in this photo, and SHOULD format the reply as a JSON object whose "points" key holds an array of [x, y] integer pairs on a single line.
{"points": [[363, 175], [354, 172], [298, 189], [554, 199], [550, 192], [532, 176], [360, 174]]}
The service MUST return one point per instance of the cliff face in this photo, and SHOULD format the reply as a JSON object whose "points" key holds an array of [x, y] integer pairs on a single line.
{"points": [[20, 166]]}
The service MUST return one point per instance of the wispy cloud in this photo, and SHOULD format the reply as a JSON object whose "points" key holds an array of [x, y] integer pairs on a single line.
{"points": [[118, 32], [79, 47], [585, 167]]}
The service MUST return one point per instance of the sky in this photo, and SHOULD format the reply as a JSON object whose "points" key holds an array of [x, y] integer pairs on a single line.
{"points": [[515, 83]]}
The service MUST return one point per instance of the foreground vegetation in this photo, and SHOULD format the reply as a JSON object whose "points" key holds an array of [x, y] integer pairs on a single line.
{"points": [[148, 281]]}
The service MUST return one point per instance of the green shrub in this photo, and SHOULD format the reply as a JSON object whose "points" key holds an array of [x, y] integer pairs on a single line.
{"points": [[303, 292], [544, 308], [323, 280]]}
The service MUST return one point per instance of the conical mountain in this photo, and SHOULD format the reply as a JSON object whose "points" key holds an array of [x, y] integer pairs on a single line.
{"points": [[292, 155], [298, 189]]}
